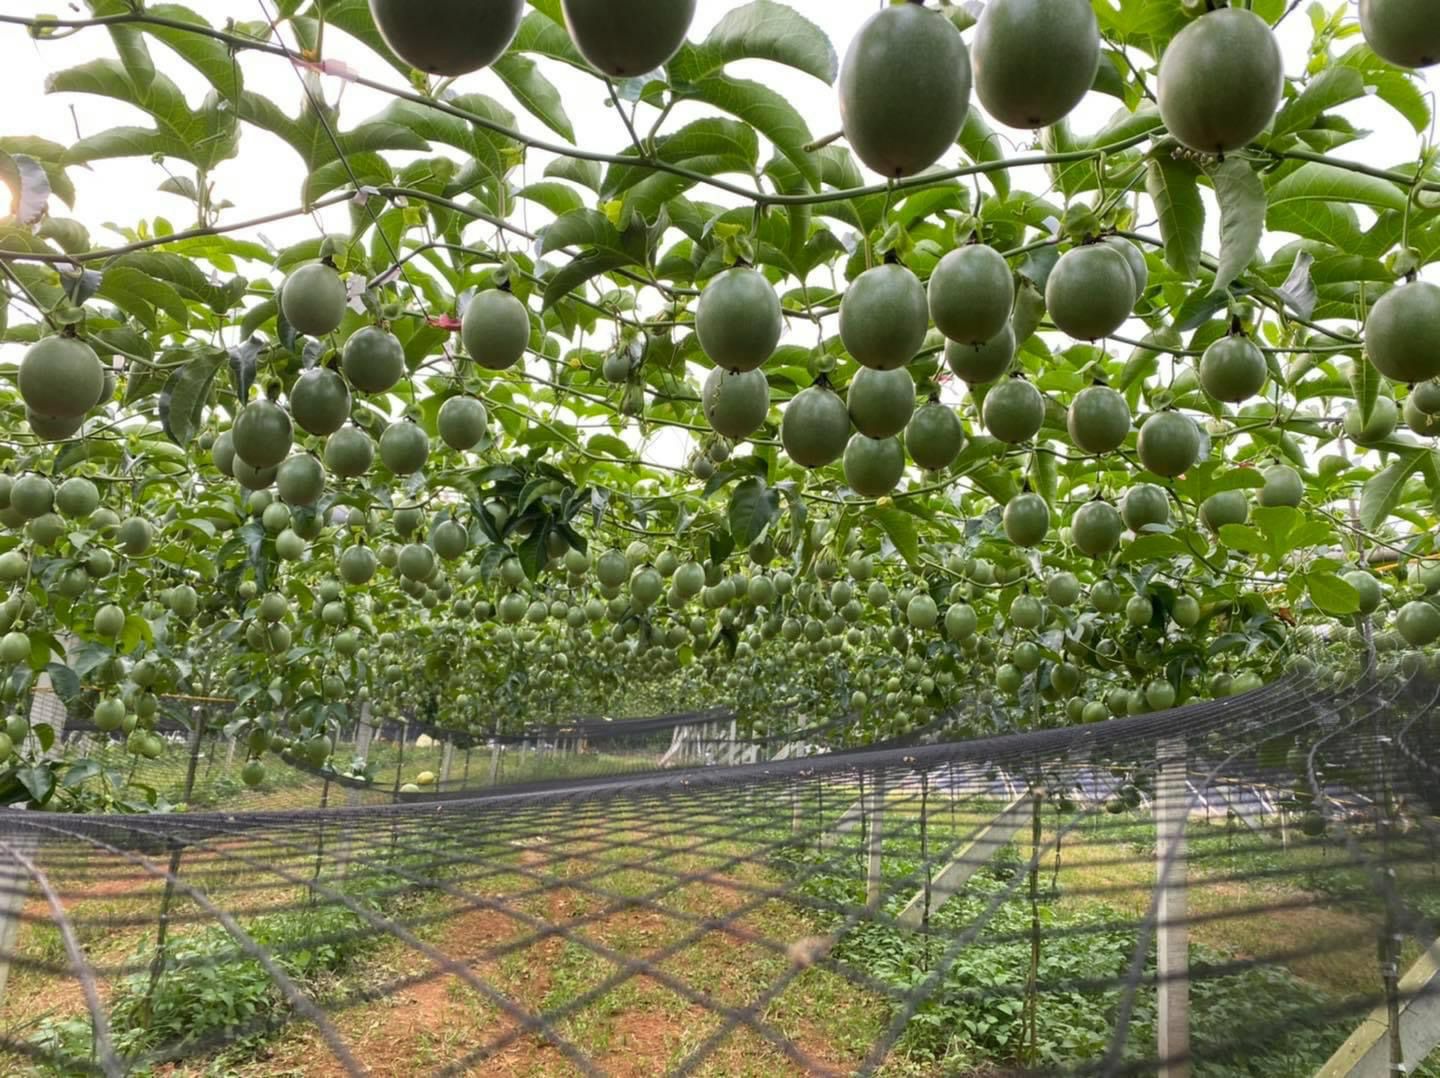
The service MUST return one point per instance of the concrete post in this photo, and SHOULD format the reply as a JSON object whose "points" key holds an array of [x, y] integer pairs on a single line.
{"points": [[1366, 1054], [445, 759], [951, 880], [1172, 942], [364, 735], [874, 845], [14, 890]]}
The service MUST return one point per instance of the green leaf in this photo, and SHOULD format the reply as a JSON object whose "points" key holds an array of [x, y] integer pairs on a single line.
{"points": [[900, 527], [983, 146], [182, 402], [1155, 547], [1333, 86], [1242, 217], [535, 92], [753, 506], [1331, 593], [760, 30], [39, 782], [1173, 187], [1365, 382], [1314, 181], [1381, 493], [766, 110]]}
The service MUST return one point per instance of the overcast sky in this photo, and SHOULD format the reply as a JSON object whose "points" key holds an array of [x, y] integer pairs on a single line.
{"points": [[266, 177]]}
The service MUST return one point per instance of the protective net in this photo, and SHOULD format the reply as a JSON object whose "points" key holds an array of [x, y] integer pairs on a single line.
{"points": [[1235, 887]]}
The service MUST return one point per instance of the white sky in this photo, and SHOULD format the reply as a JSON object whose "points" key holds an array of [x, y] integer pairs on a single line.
{"points": [[267, 175]]}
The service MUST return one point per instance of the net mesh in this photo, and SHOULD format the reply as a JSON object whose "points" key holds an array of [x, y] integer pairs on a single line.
{"points": [[1233, 886]]}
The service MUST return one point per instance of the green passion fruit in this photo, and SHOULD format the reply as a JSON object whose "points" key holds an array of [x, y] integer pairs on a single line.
{"points": [[262, 434], [1035, 60], [881, 402], [252, 478], [873, 466], [349, 452], [1220, 80], [1225, 507], [77, 497], [1169, 444], [1384, 418], [1284, 486], [1233, 369], [736, 403], [971, 293], [357, 565], [1421, 423], [1404, 32], [1014, 411], [1367, 588], [884, 317], [300, 480], [623, 39], [496, 329], [60, 377], [1403, 329], [320, 401], [313, 300], [373, 360], [815, 427], [462, 423], [978, 364], [1419, 623], [404, 447], [448, 37], [904, 89], [1026, 519], [1095, 528], [1098, 419], [934, 436], [53, 428], [1426, 397], [738, 319], [1091, 291]]}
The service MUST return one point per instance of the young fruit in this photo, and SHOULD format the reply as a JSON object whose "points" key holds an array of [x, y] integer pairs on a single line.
{"points": [[884, 317], [1404, 32], [496, 329], [873, 465], [1098, 419], [1367, 587], [1090, 292], [300, 480], [1384, 418], [1014, 411], [971, 294], [1225, 507], [1220, 80], [357, 565], [404, 447], [1169, 444], [738, 319], [736, 403], [313, 300], [349, 452], [1233, 369], [1401, 332], [881, 402], [934, 436], [1419, 623], [449, 540], [60, 378], [1427, 426], [815, 427], [1283, 486], [447, 37], [462, 422], [77, 498], [373, 360], [320, 401], [52, 428], [1035, 60], [904, 89], [979, 364], [1095, 528], [1026, 519], [262, 434], [623, 39]]}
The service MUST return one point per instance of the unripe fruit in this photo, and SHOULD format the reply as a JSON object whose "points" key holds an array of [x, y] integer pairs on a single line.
{"points": [[60, 377], [496, 329], [738, 319], [448, 37], [1220, 82], [884, 317], [313, 300]]}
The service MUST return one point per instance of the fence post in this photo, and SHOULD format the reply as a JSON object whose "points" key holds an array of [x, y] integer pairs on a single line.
{"points": [[874, 844], [1172, 941], [445, 757], [14, 890], [197, 738], [400, 755]]}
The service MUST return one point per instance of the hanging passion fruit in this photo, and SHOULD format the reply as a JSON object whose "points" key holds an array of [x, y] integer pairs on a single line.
{"points": [[1035, 60], [1404, 32], [738, 319], [873, 466], [1098, 419], [978, 364], [262, 434], [1014, 411], [971, 294], [1233, 369], [1402, 332], [313, 300], [496, 329], [448, 37], [815, 427], [1090, 292], [881, 402], [1221, 78], [884, 317], [623, 39], [904, 89], [1169, 444], [934, 436], [60, 378], [320, 401], [736, 403]]}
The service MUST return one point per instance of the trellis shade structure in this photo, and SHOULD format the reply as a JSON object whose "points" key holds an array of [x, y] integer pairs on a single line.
{"points": [[705, 921]]}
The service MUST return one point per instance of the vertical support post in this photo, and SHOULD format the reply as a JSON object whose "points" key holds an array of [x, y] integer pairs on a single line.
{"points": [[445, 758], [230, 755], [874, 844], [400, 754], [14, 890], [197, 738], [495, 760], [1172, 942]]}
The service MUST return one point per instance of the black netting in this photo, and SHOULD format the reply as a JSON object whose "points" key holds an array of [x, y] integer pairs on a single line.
{"points": [[1027, 902]]}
